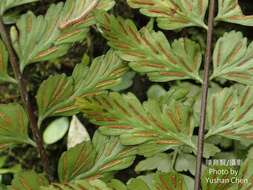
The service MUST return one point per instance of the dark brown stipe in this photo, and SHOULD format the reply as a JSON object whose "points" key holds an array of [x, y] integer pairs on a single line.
{"points": [[25, 99], [204, 96]]}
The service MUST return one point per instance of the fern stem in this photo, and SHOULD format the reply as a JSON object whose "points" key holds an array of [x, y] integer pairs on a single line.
{"points": [[204, 95], [25, 98]]}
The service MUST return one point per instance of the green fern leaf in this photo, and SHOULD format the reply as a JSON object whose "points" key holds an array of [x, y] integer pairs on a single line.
{"points": [[137, 184], [160, 162], [159, 180], [57, 94], [83, 12], [171, 180], [160, 127], [28, 180], [104, 73], [104, 156], [150, 52], [117, 185], [13, 125], [4, 77], [153, 181], [8, 4], [111, 156], [232, 59], [47, 37], [230, 112], [230, 11], [53, 96], [76, 161], [79, 185], [173, 14]]}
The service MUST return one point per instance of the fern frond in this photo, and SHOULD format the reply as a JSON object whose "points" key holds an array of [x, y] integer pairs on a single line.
{"points": [[230, 113], [28, 180], [57, 94], [95, 160], [233, 59], [173, 14], [40, 38], [4, 76], [150, 52], [79, 185], [13, 125], [230, 11], [147, 124], [8, 4]]}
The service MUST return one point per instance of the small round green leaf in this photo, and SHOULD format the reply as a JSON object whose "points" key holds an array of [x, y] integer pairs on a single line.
{"points": [[126, 82], [56, 130], [156, 91]]}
